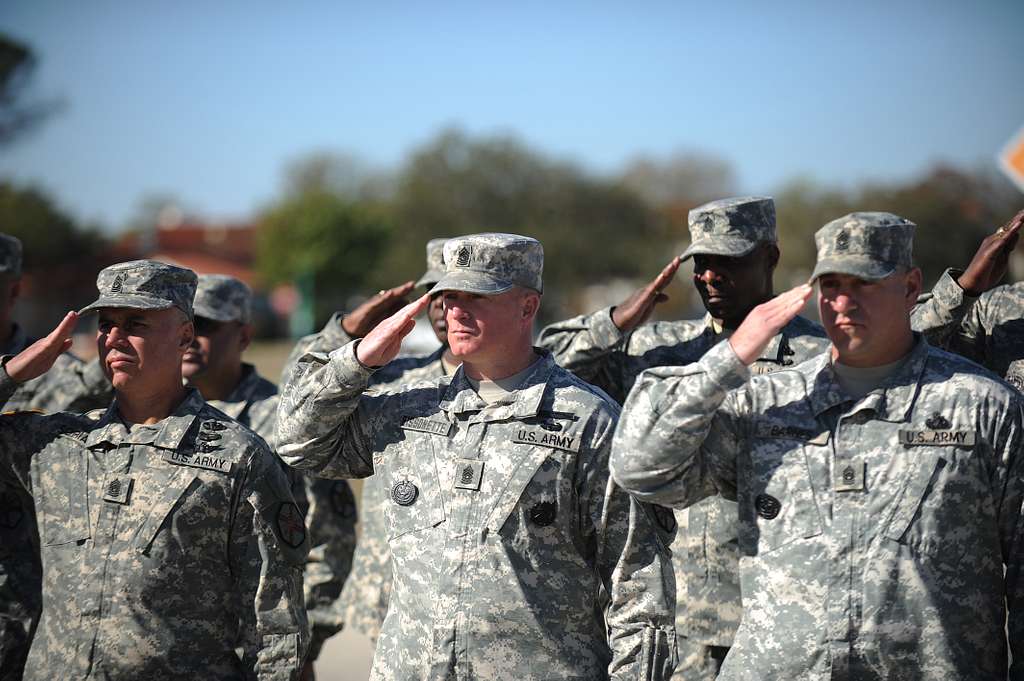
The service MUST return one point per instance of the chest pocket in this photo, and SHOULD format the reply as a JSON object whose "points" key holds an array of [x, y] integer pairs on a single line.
{"points": [[943, 487], [409, 477], [779, 505], [60, 488]]}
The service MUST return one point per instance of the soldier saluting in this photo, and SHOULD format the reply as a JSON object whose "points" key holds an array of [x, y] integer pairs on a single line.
{"points": [[168, 531], [503, 523], [879, 484]]}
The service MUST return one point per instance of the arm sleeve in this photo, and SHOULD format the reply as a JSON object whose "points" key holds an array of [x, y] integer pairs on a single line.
{"points": [[591, 347], [680, 431], [636, 569], [269, 549], [329, 338], [1009, 490], [325, 424], [947, 317]]}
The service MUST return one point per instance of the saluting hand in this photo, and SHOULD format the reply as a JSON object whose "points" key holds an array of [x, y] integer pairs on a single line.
{"points": [[765, 321], [36, 359], [990, 260], [637, 309], [361, 320], [382, 344]]}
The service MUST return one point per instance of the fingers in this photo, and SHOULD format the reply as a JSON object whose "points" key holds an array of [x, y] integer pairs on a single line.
{"points": [[667, 274], [66, 327], [417, 306]]}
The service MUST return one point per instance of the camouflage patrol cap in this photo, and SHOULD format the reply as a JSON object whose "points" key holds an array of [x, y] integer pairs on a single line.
{"points": [[223, 298], [435, 263], [10, 255], [144, 285], [491, 263], [731, 227], [866, 245]]}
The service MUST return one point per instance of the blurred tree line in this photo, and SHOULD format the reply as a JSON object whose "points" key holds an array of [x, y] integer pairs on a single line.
{"points": [[357, 229]]}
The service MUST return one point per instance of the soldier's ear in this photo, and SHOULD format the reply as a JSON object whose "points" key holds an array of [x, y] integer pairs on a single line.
{"points": [[188, 334], [531, 303], [913, 283], [245, 336]]}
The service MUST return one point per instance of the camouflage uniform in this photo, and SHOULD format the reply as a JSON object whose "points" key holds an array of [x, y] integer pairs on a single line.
{"points": [[988, 329], [158, 540], [70, 385], [328, 506], [502, 537], [705, 554], [873, 531]]}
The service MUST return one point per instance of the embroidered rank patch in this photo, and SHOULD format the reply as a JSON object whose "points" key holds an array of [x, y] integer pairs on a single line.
{"points": [[209, 462], [468, 474], [119, 490], [942, 438], [848, 476], [425, 425], [290, 526], [774, 430], [544, 438]]}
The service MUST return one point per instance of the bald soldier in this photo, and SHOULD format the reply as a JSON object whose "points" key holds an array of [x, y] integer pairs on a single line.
{"points": [[503, 524], [168, 531], [879, 485], [734, 249], [69, 385], [213, 365]]}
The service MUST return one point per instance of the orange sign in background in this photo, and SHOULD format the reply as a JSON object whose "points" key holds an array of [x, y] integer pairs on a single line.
{"points": [[1011, 159]]}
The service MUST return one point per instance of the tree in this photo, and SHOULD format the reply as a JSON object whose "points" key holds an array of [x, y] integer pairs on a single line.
{"points": [[319, 235], [48, 235], [17, 64]]}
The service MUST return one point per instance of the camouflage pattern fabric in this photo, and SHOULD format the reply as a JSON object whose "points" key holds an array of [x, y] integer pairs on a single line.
{"points": [[705, 554], [870, 245], [144, 285], [503, 524], [10, 255], [70, 385], [328, 507], [731, 227], [435, 263], [988, 329], [873, 532], [491, 263], [223, 298], [159, 544]]}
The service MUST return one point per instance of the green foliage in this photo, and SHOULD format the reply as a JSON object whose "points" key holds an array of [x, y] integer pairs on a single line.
{"points": [[17, 63], [48, 235], [322, 234]]}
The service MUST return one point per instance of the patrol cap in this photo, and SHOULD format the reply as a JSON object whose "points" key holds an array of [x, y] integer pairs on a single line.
{"points": [[731, 227], [144, 285], [10, 255], [435, 263], [491, 263], [866, 245], [222, 298]]}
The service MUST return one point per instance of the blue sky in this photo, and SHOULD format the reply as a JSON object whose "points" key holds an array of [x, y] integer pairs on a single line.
{"points": [[208, 100]]}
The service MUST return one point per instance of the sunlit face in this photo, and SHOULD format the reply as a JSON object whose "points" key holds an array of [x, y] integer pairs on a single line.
{"points": [[436, 316], [732, 287], [486, 329], [216, 349], [141, 350], [867, 320]]}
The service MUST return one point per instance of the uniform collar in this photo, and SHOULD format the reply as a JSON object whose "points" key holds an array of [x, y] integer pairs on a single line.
{"points": [[459, 397], [242, 396], [892, 401], [166, 434]]}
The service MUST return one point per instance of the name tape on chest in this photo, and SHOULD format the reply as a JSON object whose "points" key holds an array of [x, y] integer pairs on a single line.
{"points": [[196, 460], [788, 432], [545, 438], [942, 438], [425, 425]]}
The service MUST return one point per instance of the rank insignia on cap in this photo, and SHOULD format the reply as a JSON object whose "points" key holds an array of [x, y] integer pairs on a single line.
{"points": [[404, 493], [118, 490], [543, 513], [116, 286], [842, 241], [290, 526], [462, 257], [938, 422]]}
